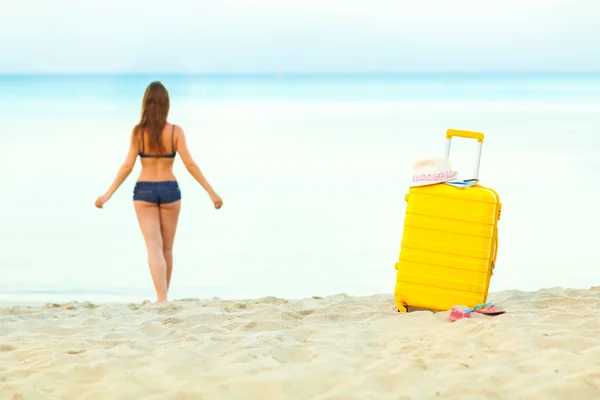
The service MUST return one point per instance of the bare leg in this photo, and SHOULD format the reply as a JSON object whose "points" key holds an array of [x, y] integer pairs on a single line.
{"points": [[169, 215], [149, 219]]}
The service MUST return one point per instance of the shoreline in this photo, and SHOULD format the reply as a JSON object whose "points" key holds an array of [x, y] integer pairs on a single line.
{"points": [[35, 299]]}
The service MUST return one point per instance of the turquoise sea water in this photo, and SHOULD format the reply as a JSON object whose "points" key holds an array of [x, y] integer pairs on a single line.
{"points": [[116, 89], [312, 168]]}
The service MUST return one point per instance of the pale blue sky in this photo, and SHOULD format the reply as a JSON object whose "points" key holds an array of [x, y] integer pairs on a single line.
{"points": [[63, 36]]}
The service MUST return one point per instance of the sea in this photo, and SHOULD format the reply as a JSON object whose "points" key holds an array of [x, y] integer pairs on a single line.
{"points": [[313, 170]]}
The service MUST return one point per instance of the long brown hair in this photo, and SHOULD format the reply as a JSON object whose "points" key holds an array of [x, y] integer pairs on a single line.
{"points": [[155, 109]]}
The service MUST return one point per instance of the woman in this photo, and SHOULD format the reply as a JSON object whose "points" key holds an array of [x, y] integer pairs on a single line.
{"points": [[156, 197]]}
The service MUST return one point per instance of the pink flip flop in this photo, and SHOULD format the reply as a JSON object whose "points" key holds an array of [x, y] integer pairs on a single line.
{"points": [[487, 309], [459, 313]]}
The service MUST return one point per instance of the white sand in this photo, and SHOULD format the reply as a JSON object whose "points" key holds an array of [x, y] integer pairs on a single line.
{"points": [[547, 346]]}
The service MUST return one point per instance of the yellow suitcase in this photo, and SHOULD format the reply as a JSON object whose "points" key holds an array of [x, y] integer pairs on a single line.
{"points": [[450, 242]]}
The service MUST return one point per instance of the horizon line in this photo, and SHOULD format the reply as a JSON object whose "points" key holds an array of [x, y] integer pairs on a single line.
{"points": [[313, 73]]}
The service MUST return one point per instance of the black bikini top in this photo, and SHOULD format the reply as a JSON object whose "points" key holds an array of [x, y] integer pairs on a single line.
{"points": [[171, 155]]}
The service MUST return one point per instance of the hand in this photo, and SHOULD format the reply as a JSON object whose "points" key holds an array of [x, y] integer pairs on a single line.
{"points": [[101, 200], [216, 199]]}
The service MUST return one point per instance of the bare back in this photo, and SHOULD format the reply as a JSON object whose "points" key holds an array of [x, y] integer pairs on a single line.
{"points": [[158, 167]]}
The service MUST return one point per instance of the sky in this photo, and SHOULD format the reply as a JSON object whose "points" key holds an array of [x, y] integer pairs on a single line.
{"points": [[254, 36]]}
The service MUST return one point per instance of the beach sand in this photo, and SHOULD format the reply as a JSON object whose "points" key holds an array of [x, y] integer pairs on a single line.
{"points": [[547, 346]]}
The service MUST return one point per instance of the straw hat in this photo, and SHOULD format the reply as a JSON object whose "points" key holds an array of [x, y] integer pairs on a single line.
{"points": [[431, 171]]}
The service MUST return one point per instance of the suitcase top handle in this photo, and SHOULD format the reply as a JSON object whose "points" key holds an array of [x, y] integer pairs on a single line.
{"points": [[464, 134], [450, 133]]}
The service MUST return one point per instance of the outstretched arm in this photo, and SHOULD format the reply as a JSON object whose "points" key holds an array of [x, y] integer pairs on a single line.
{"points": [[123, 172], [193, 168]]}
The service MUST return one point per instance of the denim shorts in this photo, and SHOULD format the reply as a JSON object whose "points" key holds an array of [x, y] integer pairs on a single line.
{"points": [[157, 192]]}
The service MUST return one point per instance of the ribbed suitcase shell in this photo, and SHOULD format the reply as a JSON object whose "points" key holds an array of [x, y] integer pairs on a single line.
{"points": [[448, 248]]}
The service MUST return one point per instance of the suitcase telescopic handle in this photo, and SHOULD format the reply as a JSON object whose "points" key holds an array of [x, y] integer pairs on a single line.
{"points": [[468, 135]]}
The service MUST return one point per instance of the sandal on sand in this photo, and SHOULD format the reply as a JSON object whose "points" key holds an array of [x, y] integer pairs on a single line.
{"points": [[459, 313], [487, 309]]}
